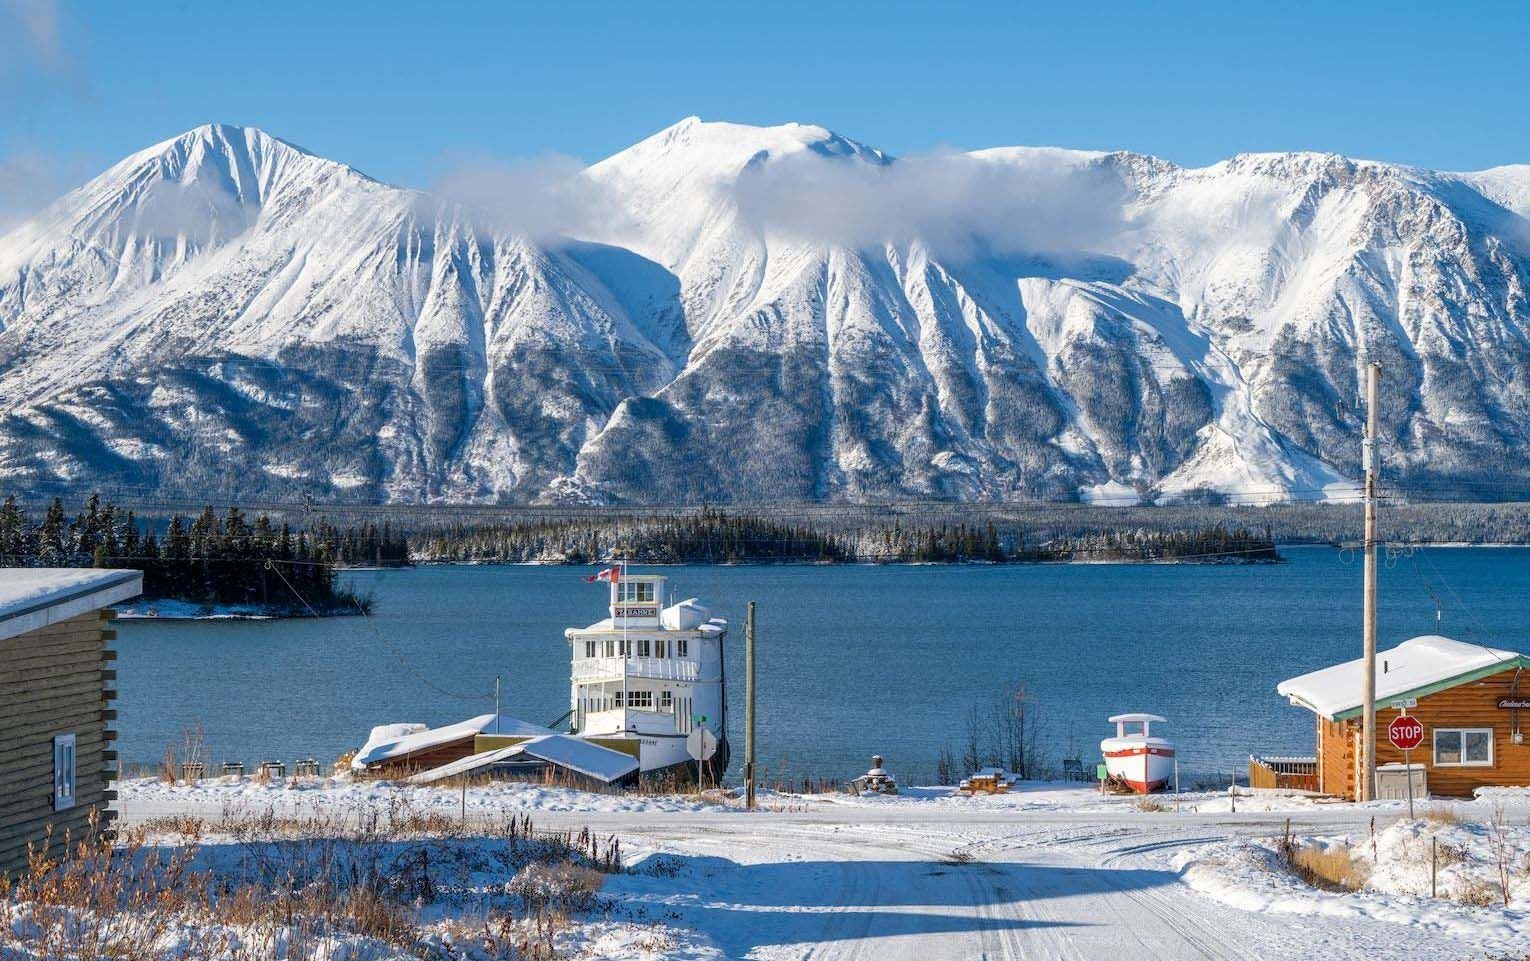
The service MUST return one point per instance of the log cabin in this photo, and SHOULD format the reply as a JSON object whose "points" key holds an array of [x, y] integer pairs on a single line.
{"points": [[56, 690], [1469, 698]]}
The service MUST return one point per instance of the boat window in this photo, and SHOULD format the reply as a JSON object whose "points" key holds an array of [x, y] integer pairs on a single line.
{"points": [[661, 649], [618, 698], [666, 700], [682, 647], [644, 648], [636, 591], [640, 699], [1463, 747], [610, 649], [589, 648]]}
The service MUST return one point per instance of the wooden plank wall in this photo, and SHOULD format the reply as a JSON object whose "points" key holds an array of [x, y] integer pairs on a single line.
{"points": [[1469, 705], [54, 680]]}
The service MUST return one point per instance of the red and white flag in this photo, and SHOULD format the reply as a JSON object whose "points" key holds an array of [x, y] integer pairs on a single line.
{"points": [[610, 574]]}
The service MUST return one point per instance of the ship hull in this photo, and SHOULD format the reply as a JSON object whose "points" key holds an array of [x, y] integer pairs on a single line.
{"points": [[1144, 768]]}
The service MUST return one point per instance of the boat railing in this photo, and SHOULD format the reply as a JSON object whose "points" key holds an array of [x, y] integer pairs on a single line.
{"points": [[1286, 773], [656, 668]]}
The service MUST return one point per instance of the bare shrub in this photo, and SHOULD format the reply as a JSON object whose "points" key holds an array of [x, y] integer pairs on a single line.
{"points": [[1476, 893], [1328, 869], [1442, 815]]}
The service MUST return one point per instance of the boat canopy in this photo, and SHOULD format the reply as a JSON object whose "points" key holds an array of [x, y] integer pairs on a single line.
{"points": [[1137, 719]]}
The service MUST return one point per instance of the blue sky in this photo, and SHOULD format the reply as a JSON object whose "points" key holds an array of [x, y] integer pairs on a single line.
{"points": [[397, 90]]}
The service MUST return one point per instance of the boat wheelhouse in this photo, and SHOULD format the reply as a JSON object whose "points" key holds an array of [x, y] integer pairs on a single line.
{"points": [[650, 674], [1136, 757]]}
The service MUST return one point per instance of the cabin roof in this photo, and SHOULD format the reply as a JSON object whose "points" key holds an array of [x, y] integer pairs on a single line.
{"points": [[34, 597], [1414, 668], [562, 750], [390, 741]]}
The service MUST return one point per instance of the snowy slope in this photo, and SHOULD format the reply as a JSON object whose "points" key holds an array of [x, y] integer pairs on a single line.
{"points": [[227, 311]]}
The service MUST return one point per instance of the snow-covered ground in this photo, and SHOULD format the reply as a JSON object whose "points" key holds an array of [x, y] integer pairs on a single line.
{"points": [[1051, 870]]}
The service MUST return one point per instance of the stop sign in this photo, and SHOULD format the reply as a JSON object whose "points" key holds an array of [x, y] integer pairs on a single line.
{"points": [[1405, 733]]}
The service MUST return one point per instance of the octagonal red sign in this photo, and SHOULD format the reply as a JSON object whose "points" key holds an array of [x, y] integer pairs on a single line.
{"points": [[1405, 733]]}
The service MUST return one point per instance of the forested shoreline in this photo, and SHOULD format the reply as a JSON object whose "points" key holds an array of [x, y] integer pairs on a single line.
{"points": [[211, 560], [717, 537]]}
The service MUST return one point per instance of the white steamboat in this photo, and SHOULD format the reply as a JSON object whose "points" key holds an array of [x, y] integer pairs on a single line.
{"points": [[1137, 758], [648, 675]]}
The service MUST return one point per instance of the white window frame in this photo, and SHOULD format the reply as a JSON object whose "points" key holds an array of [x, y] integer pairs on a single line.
{"points": [[65, 773], [661, 648], [640, 700], [1434, 753], [644, 647], [589, 649], [666, 700], [682, 647], [610, 649]]}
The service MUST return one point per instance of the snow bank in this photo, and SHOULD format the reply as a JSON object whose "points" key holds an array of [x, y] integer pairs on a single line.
{"points": [[149, 797], [1249, 874]]}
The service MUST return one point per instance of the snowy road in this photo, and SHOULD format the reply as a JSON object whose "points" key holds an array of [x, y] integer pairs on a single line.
{"points": [[933, 880], [788, 886]]}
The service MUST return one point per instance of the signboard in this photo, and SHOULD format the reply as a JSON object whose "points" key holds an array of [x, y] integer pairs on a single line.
{"points": [[1405, 733], [701, 744], [1513, 703], [636, 610]]}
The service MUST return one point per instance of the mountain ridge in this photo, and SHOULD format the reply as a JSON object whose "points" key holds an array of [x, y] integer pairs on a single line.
{"points": [[228, 309]]}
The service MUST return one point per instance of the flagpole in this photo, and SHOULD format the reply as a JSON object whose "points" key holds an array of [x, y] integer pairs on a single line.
{"points": [[621, 573]]}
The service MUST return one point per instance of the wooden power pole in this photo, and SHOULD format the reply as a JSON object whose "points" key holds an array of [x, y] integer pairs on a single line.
{"points": [[749, 709], [1367, 786]]}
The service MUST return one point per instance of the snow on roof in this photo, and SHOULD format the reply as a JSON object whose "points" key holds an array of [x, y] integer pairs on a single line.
{"points": [[388, 741], [35, 597], [1405, 670], [1137, 719], [562, 750]]}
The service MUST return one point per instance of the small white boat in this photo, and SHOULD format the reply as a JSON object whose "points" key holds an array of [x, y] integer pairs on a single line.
{"points": [[1138, 758]]}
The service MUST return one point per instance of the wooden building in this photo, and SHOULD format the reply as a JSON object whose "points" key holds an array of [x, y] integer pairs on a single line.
{"points": [[400, 750], [56, 688], [1470, 700]]}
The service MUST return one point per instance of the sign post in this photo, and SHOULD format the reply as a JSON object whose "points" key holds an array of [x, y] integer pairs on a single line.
{"points": [[1406, 733]]}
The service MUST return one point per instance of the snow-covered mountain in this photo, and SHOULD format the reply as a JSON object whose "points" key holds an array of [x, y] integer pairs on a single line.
{"points": [[227, 312]]}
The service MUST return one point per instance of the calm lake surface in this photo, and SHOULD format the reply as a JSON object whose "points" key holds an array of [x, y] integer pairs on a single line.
{"points": [[852, 660]]}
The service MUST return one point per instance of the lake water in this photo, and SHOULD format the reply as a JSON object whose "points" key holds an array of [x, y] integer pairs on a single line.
{"points": [[852, 660]]}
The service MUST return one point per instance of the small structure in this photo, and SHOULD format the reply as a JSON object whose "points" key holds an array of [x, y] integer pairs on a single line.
{"points": [[575, 761], [1137, 758], [56, 760], [990, 780], [397, 750], [876, 780], [1469, 699]]}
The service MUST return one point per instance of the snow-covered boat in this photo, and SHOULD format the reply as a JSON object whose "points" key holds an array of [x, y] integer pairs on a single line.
{"points": [[645, 677], [1138, 758]]}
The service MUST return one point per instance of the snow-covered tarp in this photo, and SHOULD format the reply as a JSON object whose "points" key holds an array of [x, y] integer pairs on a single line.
{"points": [[32, 598], [562, 750], [388, 741], [1407, 668]]}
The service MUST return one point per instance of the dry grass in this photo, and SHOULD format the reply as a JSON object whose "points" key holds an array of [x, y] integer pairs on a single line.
{"points": [[1442, 815], [1331, 869], [1476, 893], [1149, 804], [294, 887]]}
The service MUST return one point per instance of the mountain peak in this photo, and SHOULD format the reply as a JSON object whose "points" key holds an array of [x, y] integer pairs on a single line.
{"points": [[720, 149]]}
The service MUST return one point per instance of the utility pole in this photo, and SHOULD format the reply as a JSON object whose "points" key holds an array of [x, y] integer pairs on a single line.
{"points": [[1367, 786], [749, 709]]}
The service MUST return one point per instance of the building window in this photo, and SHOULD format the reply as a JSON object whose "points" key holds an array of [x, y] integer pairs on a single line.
{"points": [[610, 649], [1463, 747], [682, 647], [661, 649], [640, 592], [666, 700], [645, 649], [640, 699], [589, 648], [63, 772]]}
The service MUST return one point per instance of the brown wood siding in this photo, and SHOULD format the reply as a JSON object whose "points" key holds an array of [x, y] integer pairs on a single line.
{"points": [[55, 680], [1474, 704], [428, 759]]}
